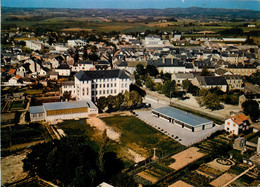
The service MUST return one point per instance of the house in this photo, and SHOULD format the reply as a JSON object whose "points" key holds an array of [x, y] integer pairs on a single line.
{"points": [[53, 75], [23, 70], [68, 86], [210, 82], [94, 84], [63, 70], [180, 77], [63, 110], [12, 72], [42, 72], [84, 65], [236, 124], [234, 82], [102, 65], [14, 81]]}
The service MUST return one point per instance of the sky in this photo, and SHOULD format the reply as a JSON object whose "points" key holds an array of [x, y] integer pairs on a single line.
{"points": [[134, 4]]}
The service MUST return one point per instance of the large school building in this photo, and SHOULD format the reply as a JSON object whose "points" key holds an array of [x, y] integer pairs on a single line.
{"points": [[183, 119], [63, 110]]}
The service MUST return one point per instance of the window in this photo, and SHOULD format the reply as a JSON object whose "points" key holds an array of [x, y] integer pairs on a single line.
{"points": [[115, 84], [104, 85], [234, 125], [34, 115], [108, 85], [40, 114], [100, 92], [111, 91], [228, 123], [107, 91], [122, 85], [115, 91], [125, 84], [111, 84], [104, 91]]}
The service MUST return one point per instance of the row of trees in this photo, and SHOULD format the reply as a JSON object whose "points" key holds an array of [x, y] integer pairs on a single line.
{"points": [[121, 101]]}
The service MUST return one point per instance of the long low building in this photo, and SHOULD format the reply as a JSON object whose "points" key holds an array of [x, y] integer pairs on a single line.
{"points": [[184, 119], [63, 110]]}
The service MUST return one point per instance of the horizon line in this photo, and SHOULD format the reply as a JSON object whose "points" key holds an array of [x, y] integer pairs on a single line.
{"points": [[130, 8]]}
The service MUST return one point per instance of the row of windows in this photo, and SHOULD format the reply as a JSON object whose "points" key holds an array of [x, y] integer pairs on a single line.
{"points": [[104, 85], [36, 115], [69, 86]]}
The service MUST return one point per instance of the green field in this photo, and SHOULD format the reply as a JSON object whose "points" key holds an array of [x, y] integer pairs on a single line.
{"points": [[140, 137], [33, 92], [98, 24]]}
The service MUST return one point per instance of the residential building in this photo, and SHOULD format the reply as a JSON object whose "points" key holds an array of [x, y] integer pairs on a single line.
{"points": [[234, 82], [210, 82], [63, 70], [180, 77], [84, 65], [94, 84], [242, 70], [63, 110], [68, 86], [236, 124], [183, 119]]}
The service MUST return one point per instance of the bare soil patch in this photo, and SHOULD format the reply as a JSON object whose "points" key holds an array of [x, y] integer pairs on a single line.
{"points": [[101, 126], [223, 179], [186, 157], [180, 183], [148, 177], [12, 167]]}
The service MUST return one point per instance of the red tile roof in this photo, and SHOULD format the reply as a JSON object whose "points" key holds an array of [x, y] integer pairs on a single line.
{"points": [[239, 119], [18, 76], [12, 71]]}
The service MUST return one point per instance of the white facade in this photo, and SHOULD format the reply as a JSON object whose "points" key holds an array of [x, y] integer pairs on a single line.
{"points": [[63, 72], [34, 44], [153, 41], [100, 86], [73, 43]]}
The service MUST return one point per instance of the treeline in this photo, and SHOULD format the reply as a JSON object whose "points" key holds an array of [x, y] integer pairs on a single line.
{"points": [[128, 100], [71, 161]]}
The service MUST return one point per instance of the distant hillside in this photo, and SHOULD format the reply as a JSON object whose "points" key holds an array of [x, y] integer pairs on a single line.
{"points": [[192, 12]]}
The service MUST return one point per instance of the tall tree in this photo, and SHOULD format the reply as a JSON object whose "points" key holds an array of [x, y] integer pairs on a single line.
{"points": [[205, 72], [251, 108], [152, 70], [140, 69], [168, 88]]}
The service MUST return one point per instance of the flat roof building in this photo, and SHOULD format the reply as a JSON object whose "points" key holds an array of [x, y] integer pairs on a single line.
{"points": [[184, 119], [63, 110]]}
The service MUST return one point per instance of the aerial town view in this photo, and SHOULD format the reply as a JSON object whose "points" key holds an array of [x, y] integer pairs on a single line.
{"points": [[130, 93]]}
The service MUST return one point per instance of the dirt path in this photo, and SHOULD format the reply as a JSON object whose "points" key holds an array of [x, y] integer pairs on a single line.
{"points": [[135, 156], [12, 167], [101, 126]]}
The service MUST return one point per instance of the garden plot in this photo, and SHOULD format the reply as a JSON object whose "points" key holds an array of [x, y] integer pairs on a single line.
{"points": [[186, 157], [148, 176], [222, 180], [214, 164], [180, 183]]}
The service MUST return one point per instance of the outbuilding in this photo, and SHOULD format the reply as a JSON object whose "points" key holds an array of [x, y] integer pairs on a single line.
{"points": [[183, 119]]}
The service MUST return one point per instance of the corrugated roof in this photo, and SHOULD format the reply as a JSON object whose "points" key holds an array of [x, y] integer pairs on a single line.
{"points": [[36, 109], [68, 105], [180, 115]]}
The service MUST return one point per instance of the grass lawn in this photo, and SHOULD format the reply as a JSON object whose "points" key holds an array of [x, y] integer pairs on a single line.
{"points": [[21, 134], [33, 92], [17, 105], [140, 137]]}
